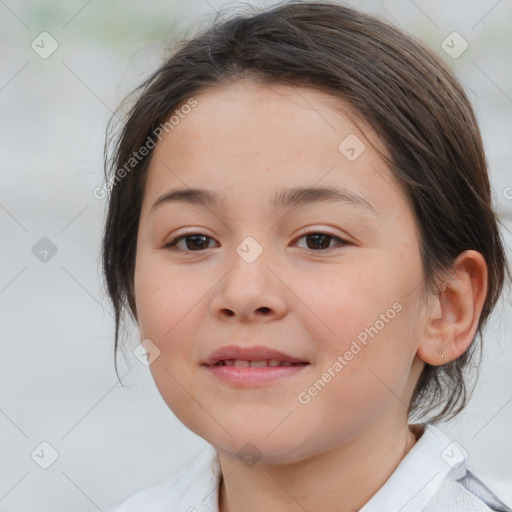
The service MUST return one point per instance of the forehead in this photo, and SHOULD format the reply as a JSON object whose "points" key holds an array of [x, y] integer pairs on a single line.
{"points": [[265, 138], [230, 112]]}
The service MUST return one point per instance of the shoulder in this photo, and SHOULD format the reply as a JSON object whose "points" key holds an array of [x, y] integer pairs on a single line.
{"points": [[464, 488], [192, 488], [435, 476], [469, 494]]}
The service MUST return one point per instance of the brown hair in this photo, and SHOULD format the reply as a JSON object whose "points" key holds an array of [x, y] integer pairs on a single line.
{"points": [[401, 88]]}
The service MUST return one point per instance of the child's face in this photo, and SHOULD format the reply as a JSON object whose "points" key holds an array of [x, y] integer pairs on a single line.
{"points": [[358, 304]]}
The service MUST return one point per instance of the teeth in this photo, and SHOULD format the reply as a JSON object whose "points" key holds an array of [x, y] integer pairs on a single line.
{"points": [[258, 364], [254, 364]]}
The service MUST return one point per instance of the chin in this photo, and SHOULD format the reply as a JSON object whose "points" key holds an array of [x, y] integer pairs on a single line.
{"points": [[259, 449]]}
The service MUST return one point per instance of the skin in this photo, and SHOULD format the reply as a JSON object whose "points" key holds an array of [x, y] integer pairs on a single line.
{"points": [[247, 142]]}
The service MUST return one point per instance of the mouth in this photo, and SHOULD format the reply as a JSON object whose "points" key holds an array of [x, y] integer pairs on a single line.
{"points": [[249, 375], [272, 363], [256, 356], [253, 366]]}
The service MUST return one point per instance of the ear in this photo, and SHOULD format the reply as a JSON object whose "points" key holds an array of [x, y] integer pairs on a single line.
{"points": [[452, 319]]}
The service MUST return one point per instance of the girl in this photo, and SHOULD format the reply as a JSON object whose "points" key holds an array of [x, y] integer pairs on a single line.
{"points": [[300, 223]]}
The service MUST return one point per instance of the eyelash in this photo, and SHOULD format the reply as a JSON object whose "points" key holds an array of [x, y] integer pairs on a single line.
{"points": [[171, 245]]}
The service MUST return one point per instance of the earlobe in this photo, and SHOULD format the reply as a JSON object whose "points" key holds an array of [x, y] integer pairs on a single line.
{"points": [[453, 315]]}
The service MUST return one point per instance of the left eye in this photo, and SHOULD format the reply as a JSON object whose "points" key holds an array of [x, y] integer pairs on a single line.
{"points": [[319, 241]]}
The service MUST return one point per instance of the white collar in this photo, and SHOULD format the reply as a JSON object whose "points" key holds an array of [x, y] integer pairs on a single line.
{"points": [[420, 473], [431, 463]]}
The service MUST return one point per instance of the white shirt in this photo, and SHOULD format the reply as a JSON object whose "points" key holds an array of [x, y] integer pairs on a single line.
{"points": [[433, 477]]}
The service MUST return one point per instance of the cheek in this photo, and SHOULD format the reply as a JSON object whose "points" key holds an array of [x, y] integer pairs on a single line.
{"points": [[165, 307], [368, 333], [350, 300], [169, 305], [358, 381], [164, 296]]}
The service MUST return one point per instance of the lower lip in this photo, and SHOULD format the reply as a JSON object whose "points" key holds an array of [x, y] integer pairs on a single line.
{"points": [[246, 376]]}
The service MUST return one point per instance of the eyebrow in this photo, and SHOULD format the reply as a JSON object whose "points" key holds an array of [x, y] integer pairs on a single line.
{"points": [[287, 198]]}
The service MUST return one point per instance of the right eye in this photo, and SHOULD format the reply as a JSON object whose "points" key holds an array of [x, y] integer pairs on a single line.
{"points": [[198, 241]]}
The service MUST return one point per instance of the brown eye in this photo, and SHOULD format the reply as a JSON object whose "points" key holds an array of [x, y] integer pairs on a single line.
{"points": [[319, 241], [193, 242]]}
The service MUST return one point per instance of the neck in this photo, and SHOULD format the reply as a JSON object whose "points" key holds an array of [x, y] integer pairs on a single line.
{"points": [[341, 479]]}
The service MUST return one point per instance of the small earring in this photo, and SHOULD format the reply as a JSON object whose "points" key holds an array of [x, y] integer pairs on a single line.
{"points": [[442, 355]]}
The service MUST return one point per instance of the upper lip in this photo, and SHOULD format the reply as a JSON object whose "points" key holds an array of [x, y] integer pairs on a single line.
{"points": [[254, 353]]}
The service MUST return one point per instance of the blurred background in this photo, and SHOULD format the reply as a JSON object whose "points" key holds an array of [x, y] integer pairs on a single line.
{"points": [[72, 437]]}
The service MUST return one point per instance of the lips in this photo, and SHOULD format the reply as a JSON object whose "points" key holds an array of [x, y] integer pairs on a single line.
{"points": [[233, 355], [272, 363]]}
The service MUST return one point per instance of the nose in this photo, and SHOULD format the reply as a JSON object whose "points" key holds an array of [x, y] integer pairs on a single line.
{"points": [[250, 291]]}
